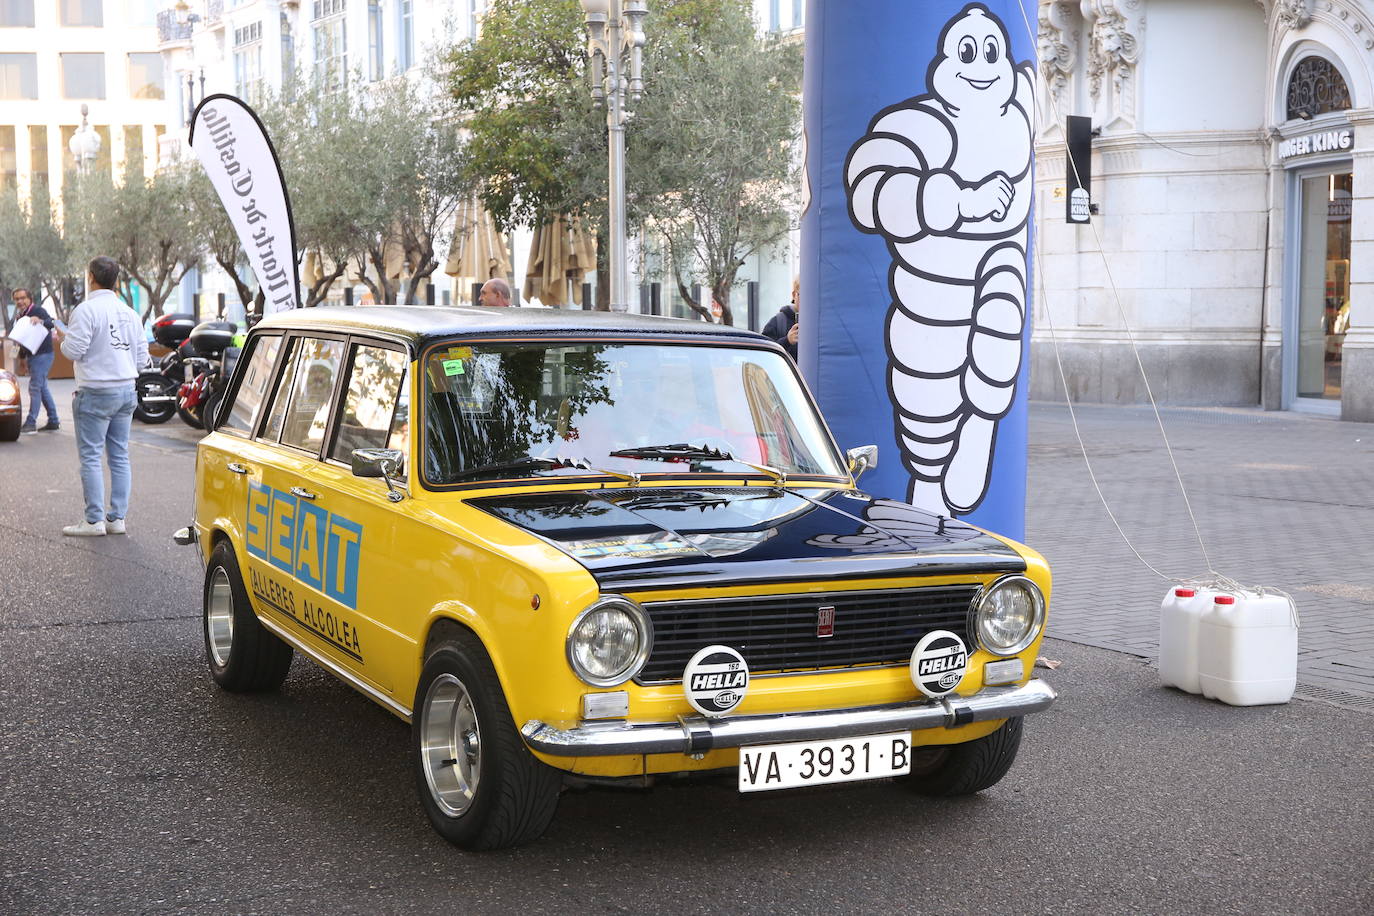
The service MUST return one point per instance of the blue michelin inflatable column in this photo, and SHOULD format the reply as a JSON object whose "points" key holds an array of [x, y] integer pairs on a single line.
{"points": [[916, 245]]}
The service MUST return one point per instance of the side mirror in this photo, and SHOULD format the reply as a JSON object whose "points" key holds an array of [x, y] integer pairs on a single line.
{"points": [[379, 462], [861, 459]]}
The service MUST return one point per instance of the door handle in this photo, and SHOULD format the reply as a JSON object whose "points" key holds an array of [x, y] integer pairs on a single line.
{"points": [[237, 468], [303, 493]]}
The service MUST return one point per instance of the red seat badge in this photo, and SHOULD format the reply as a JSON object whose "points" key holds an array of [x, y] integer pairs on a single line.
{"points": [[825, 622]]}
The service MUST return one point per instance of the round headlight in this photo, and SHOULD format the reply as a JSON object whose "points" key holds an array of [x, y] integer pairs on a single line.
{"points": [[609, 642], [1010, 614], [7, 390]]}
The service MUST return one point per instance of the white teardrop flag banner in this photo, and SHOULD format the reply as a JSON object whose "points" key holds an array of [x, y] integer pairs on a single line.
{"points": [[231, 142]]}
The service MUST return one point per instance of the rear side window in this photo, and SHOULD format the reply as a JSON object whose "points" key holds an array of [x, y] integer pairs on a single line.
{"points": [[307, 413], [253, 386], [376, 409]]}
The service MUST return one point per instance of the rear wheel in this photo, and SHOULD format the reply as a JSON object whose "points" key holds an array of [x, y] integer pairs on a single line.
{"points": [[478, 783], [962, 769], [244, 655], [155, 385]]}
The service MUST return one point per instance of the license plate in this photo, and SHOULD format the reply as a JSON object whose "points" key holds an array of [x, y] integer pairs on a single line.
{"points": [[814, 763]]}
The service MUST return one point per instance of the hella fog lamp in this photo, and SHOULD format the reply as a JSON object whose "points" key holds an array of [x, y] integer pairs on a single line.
{"points": [[1009, 615], [609, 642]]}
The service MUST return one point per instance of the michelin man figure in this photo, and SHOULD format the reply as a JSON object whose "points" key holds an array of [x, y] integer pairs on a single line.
{"points": [[945, 178]]}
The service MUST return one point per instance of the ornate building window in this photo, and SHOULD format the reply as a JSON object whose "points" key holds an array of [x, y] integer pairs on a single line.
{"points": [[1316, 87]]}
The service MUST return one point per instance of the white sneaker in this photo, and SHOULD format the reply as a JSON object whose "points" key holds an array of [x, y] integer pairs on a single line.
{"points": [[85, 530], [115, 526]]}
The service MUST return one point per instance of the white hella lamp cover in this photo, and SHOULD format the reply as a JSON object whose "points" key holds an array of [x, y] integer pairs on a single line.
{"points": [[233, 146], [715, 680], [938, 663]]}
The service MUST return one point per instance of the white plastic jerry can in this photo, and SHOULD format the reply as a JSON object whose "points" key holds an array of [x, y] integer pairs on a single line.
{"points": [[1178, 627], [1248, 649]]}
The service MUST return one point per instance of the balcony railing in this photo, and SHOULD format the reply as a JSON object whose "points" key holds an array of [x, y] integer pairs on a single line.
{"points": [[214, 12], [169, 30]]}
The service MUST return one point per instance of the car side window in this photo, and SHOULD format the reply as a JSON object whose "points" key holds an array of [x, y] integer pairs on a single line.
{"points": [[281, 396], [253, 387], [376, 407], [307, 411]]}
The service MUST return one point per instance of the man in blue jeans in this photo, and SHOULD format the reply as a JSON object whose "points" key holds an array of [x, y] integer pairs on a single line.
{"points": [[106, 344], [40, 363]]}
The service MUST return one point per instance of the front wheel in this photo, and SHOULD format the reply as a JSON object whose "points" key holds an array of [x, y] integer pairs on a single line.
{"points": [[479, 785], [962, 769], [152, 387], [244, 655]]}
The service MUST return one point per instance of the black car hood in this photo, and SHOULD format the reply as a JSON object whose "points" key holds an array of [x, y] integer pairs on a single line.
{"points": [[633, 539]]}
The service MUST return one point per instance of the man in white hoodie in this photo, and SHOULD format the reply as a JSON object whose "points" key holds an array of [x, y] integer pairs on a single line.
{"points": [[105, 342]]}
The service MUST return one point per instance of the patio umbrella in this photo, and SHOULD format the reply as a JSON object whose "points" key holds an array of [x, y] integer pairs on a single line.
{"points": [[478, 252], [560, 252]]}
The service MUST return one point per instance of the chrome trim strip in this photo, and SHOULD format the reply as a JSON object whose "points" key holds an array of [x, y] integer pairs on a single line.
{"points": [[821, 595], [336, 669], [697, 734]]}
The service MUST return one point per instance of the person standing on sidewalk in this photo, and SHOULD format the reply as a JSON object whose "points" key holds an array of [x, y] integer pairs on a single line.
{"points": [[105, 342], [783, 326], [40, 362]]}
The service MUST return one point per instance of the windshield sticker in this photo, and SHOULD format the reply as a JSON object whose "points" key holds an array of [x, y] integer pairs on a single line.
{"points": [[453, 367], [459, 353]]}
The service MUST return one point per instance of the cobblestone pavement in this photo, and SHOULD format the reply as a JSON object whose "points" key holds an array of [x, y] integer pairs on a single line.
{"points": [[1281, 499]]}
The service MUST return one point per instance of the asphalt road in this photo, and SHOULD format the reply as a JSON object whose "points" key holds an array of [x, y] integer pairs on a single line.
{"points": [[130, 784]]}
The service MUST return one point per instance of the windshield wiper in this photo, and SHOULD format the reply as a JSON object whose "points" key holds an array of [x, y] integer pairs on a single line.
{"points": [[528, 463], [681, 451], [677, 451]]}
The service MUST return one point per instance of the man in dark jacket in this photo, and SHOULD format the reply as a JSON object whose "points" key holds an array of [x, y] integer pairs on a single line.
{"points": [[782, 327], [40, 362]]}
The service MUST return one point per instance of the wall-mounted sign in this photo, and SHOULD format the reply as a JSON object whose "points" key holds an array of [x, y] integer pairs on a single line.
{"points": [[1326, 141]]}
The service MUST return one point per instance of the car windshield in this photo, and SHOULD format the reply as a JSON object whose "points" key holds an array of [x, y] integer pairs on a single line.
{"points": [[533, 409]]}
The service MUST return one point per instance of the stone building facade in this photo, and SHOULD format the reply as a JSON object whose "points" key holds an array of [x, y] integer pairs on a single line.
{"points": [[1233, 177]]}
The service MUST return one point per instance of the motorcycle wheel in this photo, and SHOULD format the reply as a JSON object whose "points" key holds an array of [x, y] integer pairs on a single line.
{"points": [[155, 384], [191, 416], [211, 403]]}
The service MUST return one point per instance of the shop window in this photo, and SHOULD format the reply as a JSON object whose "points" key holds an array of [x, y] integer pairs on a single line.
{"points": [[1315, 88], [1324, 285]]}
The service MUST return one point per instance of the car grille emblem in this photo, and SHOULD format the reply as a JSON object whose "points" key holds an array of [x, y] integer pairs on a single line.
{"points": [[825, 622]]}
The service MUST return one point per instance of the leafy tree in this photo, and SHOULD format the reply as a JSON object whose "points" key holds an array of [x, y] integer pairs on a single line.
{"points": [[332, 186], [710, 153], [210, 223], [33, 252], [141, 224], [535, 138]]}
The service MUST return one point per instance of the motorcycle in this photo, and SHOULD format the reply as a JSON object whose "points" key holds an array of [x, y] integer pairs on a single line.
{"points": [[157, 388], [160, 390], [209, 370]]}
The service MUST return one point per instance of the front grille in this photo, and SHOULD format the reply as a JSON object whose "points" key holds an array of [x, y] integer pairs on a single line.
{"points": [[778, 632]]}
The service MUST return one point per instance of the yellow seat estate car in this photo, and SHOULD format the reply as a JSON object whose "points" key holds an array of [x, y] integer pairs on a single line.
{"points": [[597, 547]]}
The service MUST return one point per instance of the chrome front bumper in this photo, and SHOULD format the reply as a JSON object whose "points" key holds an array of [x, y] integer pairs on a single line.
{"points": [[697, 734]]}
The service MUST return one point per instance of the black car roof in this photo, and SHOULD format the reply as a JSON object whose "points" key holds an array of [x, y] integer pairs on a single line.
{"points": [[422, 323]]}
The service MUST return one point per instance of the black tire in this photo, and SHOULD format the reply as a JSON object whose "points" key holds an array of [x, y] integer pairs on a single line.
{"points": [[191, 416], [244, 656], [211, 405], [962, 769], [155, 384], [9, 428], [498, 795]]}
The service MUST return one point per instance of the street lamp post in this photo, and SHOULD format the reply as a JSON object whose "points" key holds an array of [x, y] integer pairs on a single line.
{"points": [[84, 144], [615, 45]]}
